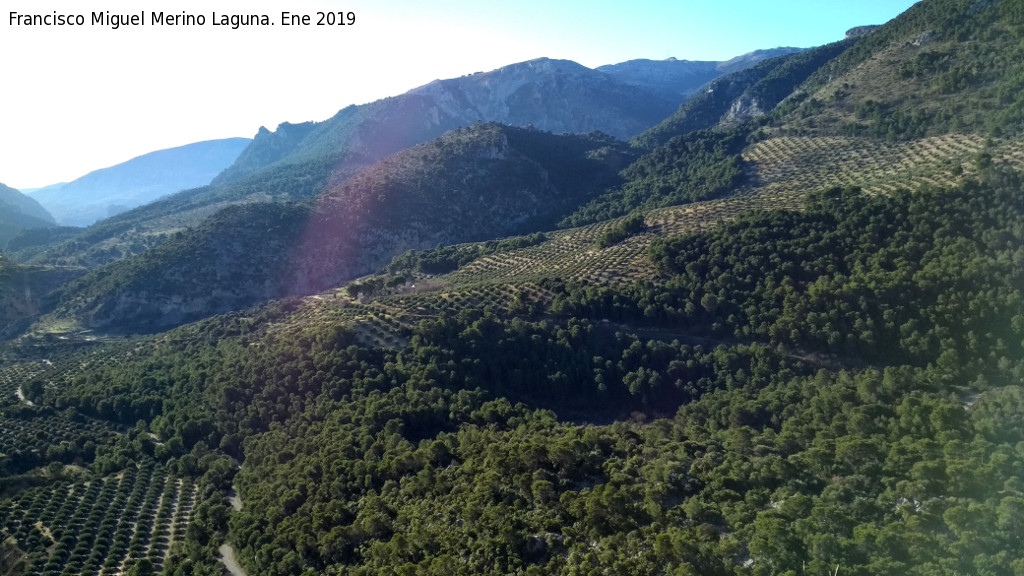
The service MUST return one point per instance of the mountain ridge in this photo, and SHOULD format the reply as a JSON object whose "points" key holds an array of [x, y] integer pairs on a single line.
{"points": [[475, 183], [511, 94], [142, 179], [301, 160], [674, 78], [462, 100], [19, 212]]}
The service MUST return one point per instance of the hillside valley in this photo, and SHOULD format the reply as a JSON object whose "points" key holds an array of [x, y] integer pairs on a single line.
{"points": [[778, 330]]}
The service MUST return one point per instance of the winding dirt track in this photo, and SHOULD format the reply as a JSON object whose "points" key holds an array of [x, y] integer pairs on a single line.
{"points": [[227, 557]]}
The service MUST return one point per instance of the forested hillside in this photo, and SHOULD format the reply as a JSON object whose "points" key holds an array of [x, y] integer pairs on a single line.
{"points": [[782, 342], [477, 183], [942, 66], [743, 95], [855, 387]]}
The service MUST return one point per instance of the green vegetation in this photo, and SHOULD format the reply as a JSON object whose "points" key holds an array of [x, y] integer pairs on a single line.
{"points": [[944, 66], [806, 389], [148, 226], [707, 108], [877, 278], [13, 222], [209, 268], [788, 347], [625, 228], [19, 212], [743, 95], [444, 259], [785, 78], [29, 243], [688, 168], [476, 183], [103, 525]]}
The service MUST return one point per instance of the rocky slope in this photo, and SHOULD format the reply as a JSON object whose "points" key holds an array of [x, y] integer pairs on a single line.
{"points": [[23, 291], [552, 95], [743, 95]]}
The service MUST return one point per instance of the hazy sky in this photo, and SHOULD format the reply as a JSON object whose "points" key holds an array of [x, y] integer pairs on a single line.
{"points": [[79, 98]]}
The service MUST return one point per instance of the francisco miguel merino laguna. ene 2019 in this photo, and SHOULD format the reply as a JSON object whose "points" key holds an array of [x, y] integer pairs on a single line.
{"points": [[116, 21]]}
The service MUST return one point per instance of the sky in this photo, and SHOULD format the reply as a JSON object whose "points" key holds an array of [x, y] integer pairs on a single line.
{"points": [[80, 98]]}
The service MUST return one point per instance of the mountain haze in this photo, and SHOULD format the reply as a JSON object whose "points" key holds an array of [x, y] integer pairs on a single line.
{"points": [[108, 191], [557, 96], [20, 212], [675, 79], [20, 202]]}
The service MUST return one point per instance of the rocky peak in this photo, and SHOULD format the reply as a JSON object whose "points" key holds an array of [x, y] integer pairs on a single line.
{"points": [[858, 31]]}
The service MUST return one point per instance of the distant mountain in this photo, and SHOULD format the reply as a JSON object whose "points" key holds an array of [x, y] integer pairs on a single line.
{"points": [[477, 183], [744, 61], [670, 78], [678, 79], [19, 212], [23, 204], [799, 352], [298, 161], [559, 96], [103, 193], [551, 95], [621, 100], [265, 148]]}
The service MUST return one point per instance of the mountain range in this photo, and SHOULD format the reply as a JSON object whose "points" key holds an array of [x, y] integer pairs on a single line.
{"points": [[776, 332], [299, 161], [109, 191], [674, 79], [550, 95], [364, 208], [477, 183], [620, 100], [139, 281]]}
